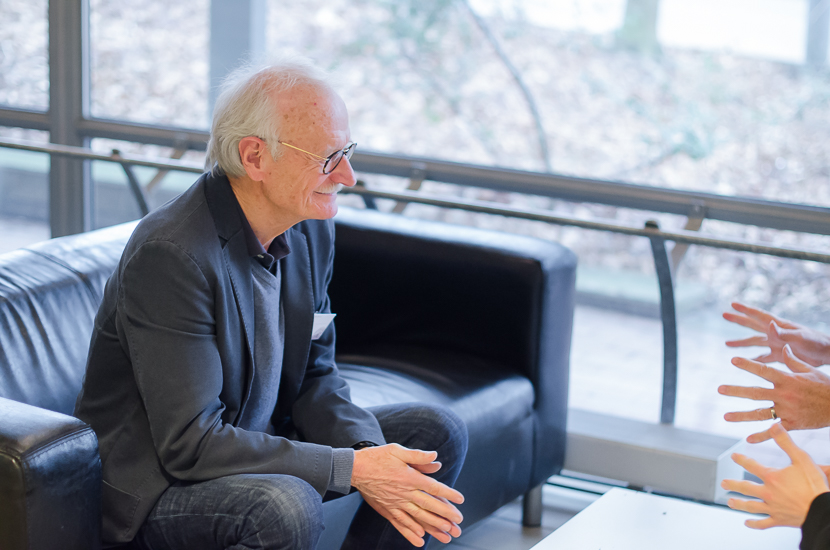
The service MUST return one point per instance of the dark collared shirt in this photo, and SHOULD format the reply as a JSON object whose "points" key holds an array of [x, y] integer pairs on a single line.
{"points": [[277, 250], [269, 333]]}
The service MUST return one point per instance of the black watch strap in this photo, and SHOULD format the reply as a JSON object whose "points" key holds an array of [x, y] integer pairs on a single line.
{"points": [[363, 445]]}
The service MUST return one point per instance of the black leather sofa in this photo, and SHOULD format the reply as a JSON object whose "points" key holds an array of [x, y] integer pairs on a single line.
{"points": [[477, 320]]}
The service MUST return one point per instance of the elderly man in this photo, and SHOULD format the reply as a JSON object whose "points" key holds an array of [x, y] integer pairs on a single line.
{"points": [[211, 382]]}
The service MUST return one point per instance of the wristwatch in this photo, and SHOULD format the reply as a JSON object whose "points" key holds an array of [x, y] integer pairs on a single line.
{"points": [[363, 445]]}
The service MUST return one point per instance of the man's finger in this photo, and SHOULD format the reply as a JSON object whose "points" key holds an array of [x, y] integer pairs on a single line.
{"points": [[441, 536], [751, 466], [748, 342], [455, 530], [754, 415], [754, 393], [406, 526], [439, 506], [786, 443], [744, 321], [430, 468], [753, 312], [759, 437], [751, 506], [430, 520], [438, 489], [794, 363], [764, 523], [766, 358], [414, 456], [758, 369], [408, 534], [742, 486], [444, 536]]}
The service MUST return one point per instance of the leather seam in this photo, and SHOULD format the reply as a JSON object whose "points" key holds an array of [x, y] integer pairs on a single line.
{"points": [[34, 453]]}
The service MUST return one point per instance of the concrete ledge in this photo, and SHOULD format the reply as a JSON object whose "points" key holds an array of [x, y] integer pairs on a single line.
{"points": [[663, 457]]}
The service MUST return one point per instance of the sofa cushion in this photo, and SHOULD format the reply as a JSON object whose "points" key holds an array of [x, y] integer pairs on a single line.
{"points": [[495, 404]]}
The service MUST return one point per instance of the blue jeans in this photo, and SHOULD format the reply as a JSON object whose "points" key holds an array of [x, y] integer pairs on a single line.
{"points": [[284, 512]]}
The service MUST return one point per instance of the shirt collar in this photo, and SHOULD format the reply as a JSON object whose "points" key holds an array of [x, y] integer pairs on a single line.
{"points": [[277, 250]]}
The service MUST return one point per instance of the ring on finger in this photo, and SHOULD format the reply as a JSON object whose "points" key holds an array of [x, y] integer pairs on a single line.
{"points": [[772, 413]]}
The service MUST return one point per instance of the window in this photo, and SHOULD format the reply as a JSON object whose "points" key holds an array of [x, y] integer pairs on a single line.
{"points": [[24, 70], [150, 61], [24, 192]]}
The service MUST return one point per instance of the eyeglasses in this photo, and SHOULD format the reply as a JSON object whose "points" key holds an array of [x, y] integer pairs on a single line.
{"points": [[332, 160]]}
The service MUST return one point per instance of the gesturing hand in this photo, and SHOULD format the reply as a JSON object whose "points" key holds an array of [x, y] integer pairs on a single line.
{"points": [[392, 480], [801, 398], [810, 345], [785, 494]]}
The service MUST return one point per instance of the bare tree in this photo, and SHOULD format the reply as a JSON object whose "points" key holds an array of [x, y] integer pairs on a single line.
{"points": [[639, 30], [818, 27]]}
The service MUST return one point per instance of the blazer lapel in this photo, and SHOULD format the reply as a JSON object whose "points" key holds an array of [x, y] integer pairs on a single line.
{"points": [[238, 261], [298, 308], [226, 216]]}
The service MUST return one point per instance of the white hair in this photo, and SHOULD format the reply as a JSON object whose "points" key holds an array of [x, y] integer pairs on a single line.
{"points": [[247, 105]]}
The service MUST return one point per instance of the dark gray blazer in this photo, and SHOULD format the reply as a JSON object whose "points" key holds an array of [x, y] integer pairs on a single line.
{"points": [[171, 360]]}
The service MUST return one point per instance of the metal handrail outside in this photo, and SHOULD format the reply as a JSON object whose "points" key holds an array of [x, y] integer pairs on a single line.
{"points": [[651, 231], [742, 210], [678, 236]]}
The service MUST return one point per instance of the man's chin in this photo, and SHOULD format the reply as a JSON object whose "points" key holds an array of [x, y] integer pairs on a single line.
{"points": [[325, 212]]}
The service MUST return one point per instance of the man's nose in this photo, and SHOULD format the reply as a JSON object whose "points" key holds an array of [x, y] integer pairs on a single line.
{"points": [[345, 173]]}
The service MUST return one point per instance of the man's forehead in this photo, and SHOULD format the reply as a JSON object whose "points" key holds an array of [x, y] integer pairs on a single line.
{"points": [[313, 112], [304, 100]]}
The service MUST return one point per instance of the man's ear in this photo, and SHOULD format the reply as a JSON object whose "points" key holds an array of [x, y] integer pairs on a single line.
{"points": [[251, 152]]}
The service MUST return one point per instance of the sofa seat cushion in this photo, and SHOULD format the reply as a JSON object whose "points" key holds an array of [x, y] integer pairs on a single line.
{"points": [[495, 404], [471, 387]]}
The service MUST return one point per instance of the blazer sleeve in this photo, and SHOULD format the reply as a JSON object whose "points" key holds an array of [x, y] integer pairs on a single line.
{"points": [[323, 411], [165, 317], [815, 532]]}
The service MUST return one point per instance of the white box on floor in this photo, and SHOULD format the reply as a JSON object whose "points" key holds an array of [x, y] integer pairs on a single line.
{"points": [[631, 520]]}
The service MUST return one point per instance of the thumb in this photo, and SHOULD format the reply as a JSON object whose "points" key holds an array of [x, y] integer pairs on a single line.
{"points": [[785, 442], [785, 334], [794, 363], [414, 456]]}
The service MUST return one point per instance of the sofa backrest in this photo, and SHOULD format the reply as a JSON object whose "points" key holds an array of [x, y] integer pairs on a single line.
{"points": [[408, 283], [398, 282], [49, 295]]}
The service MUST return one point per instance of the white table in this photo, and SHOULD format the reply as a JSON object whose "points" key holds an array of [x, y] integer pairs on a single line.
{"points": [[631, 520]]}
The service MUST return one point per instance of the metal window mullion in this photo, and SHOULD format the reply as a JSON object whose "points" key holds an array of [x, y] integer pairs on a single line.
{"points": [[70, 197], [238, 32]]}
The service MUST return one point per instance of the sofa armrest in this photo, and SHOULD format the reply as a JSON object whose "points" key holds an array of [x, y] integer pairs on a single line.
{"points": [[50, 480]]}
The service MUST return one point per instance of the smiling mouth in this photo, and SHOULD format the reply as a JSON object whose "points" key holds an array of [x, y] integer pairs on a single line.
{"points": [[330, 191]]}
